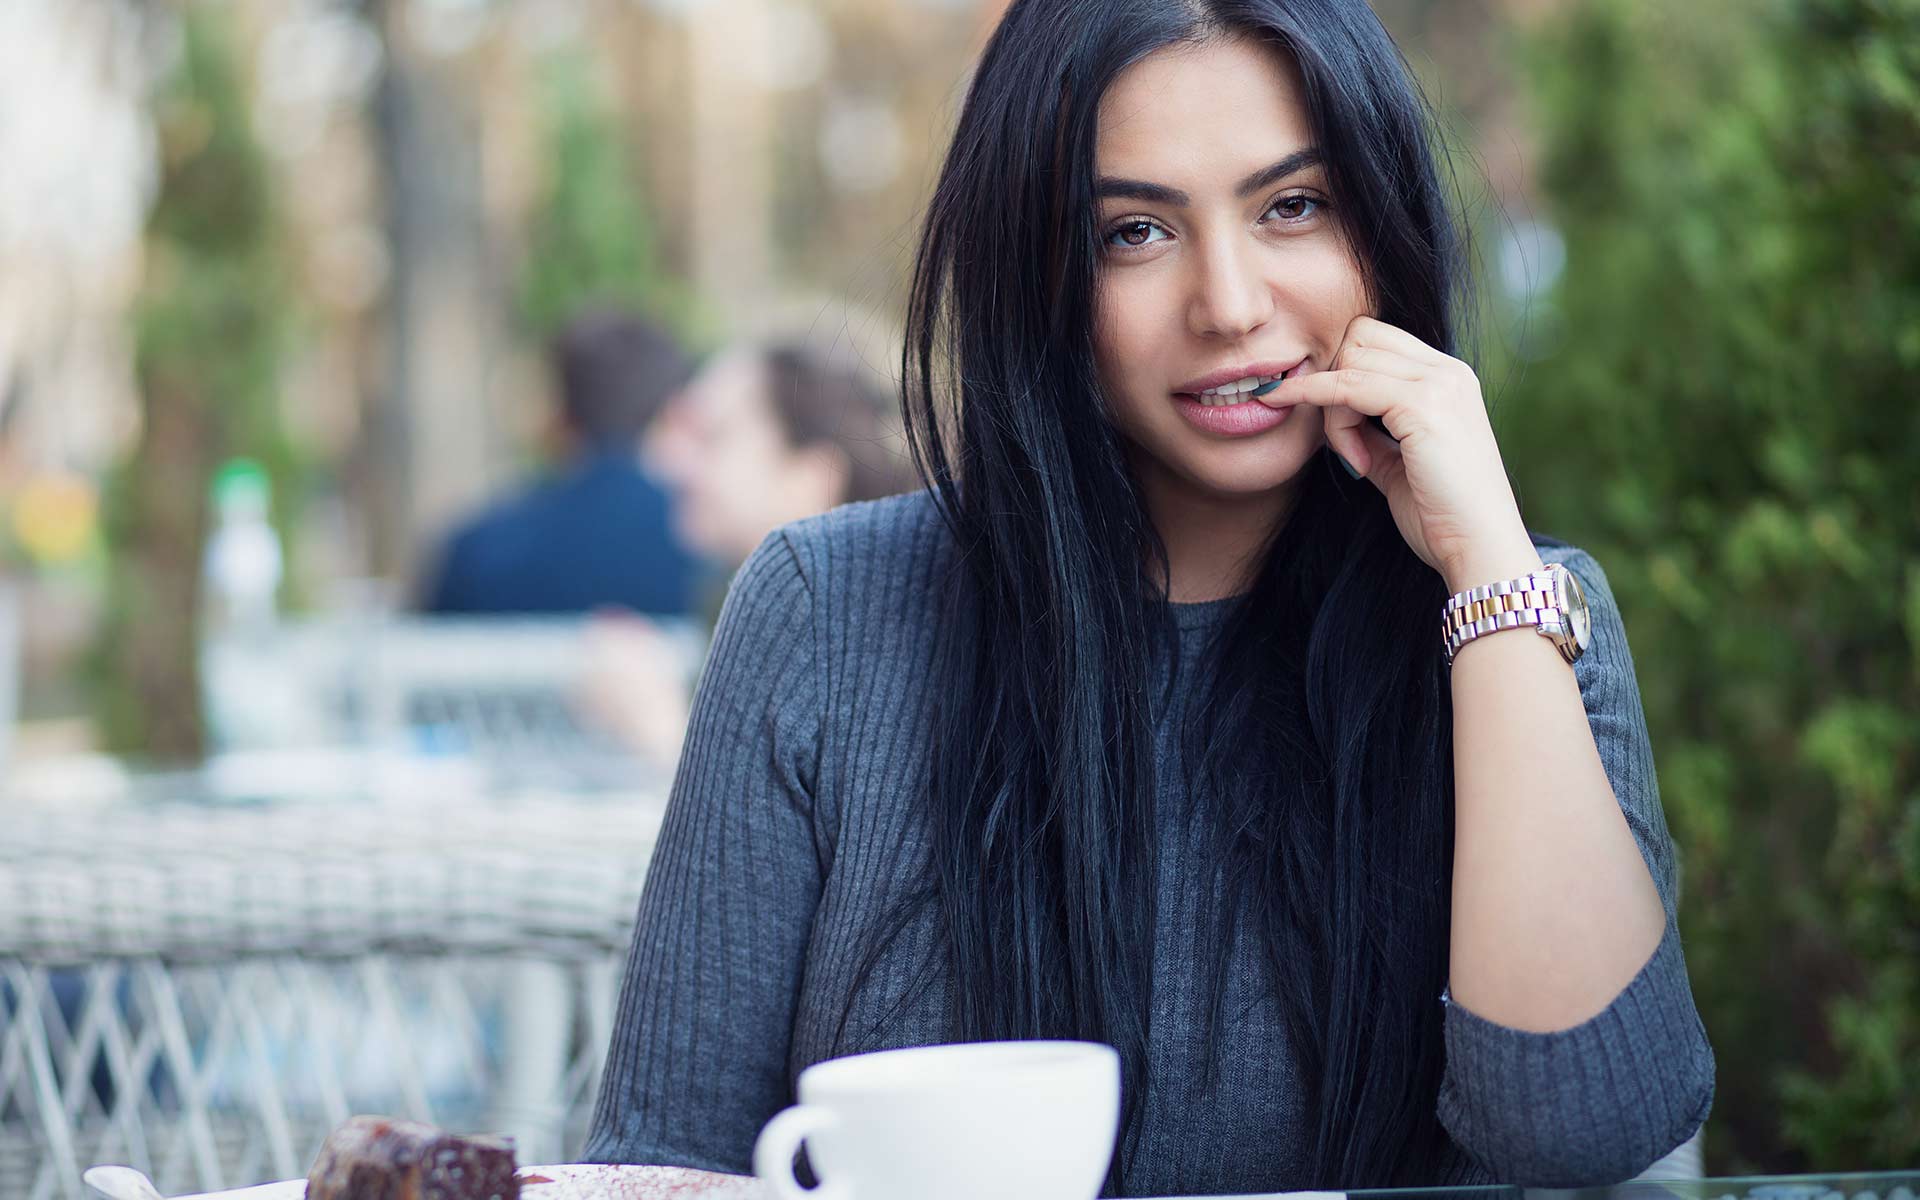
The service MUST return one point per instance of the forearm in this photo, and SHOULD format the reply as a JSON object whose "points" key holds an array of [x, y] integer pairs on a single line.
{"points": [[1554, 910]]}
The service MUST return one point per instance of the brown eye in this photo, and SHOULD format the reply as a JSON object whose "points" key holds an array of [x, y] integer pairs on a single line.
{"points": [[1294, 209], [1132, 235]]}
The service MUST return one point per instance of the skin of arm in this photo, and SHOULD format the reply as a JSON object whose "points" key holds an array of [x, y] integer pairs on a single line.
{"points": [[1554, 910]]}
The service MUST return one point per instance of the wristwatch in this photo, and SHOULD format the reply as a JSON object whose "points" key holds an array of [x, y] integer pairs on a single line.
{"points": [[1550, 601]]}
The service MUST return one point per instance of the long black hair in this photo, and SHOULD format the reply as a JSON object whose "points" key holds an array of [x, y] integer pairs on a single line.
{"points": [[1323, 733]]}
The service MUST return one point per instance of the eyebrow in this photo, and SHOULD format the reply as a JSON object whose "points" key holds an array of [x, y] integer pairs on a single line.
{"points": [[1112, 187]]}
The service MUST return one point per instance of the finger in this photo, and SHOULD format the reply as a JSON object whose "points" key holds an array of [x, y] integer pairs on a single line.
{"points": [[1372, 331], [1342, 426], [1384, 457], [1382, 361], [1351, 449], [1373, 455], [1366, 392]]}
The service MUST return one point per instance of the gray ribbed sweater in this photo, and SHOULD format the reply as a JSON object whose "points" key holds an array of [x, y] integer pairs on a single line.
{"points": [[784, 841]]}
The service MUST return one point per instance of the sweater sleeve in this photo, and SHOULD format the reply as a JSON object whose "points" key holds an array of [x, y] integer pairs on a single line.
{"points": [[1600, 1102], [699, 1055]]}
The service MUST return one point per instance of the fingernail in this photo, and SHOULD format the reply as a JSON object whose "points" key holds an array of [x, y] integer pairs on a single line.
{"points": [[1347, 467]]}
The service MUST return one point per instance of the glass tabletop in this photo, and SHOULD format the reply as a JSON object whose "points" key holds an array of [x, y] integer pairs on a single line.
{"points": [[1865, 1185]]}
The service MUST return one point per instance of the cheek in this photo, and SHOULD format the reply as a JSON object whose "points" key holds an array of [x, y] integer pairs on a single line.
{"points": [[1130, 329], [1329, 288], [755, 467], [1130, 315]]}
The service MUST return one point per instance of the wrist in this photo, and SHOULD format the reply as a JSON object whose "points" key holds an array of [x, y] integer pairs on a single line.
{"points": [[1489, 562]]}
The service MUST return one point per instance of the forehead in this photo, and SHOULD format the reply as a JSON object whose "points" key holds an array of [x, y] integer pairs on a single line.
{"points": [[1198, 113]]}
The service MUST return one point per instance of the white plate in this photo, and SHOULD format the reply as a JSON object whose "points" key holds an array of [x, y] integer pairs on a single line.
{"points": [[571, 1182], [586, 1182]]}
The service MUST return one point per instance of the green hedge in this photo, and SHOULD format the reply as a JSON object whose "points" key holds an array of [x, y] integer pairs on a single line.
{"points": [[1720, 397]]}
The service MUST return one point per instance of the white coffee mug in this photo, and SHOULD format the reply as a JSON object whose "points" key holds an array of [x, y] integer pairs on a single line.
{"points": [[1007, 1120]]}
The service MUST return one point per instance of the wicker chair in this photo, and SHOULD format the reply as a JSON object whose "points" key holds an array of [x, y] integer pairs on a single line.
{"points": [[203, 992]]}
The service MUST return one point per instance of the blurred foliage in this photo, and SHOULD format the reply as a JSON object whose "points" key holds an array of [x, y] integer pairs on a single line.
{"points": [[591, 240], [1721, 405], [211, 330]]}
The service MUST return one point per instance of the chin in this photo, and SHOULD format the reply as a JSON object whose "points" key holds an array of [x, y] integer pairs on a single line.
{"points": [[1240, 471], [1240, 486]]}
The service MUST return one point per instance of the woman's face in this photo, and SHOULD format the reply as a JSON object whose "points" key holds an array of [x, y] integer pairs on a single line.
{"points": [[738, 477], [1214, 266]]}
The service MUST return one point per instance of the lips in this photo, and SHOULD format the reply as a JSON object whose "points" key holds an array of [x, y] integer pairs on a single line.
{"points": [[1235, 418], [1241, 377]]}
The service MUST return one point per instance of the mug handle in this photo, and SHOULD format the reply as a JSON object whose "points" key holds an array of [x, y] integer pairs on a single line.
{"points": [[774, 1150]]}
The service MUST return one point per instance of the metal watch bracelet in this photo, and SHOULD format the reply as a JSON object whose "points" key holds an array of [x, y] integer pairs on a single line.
{"points": [[1531, 601]]}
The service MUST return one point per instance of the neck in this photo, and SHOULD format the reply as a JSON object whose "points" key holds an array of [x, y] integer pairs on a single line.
{"points": [[1213, 541]]}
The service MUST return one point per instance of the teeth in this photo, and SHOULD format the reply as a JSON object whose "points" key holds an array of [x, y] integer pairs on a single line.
{"points": [[1239, 385], [1228, 393]]}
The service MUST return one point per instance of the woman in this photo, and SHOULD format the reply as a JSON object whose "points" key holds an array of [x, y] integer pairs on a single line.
{"points": [[1141, 729]]}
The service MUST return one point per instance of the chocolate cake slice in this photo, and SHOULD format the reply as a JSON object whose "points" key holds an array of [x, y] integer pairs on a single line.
{"points": [[380, 1158]]}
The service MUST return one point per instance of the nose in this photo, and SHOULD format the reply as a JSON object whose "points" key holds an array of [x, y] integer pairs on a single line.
{"points": [[1230, 298]]}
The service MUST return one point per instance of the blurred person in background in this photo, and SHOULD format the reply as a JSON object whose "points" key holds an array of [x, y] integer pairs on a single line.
{"points": [[597, 532], [765, 434]]}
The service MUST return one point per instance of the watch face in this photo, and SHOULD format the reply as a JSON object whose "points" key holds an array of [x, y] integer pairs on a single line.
{"points": [[1577, 614]]}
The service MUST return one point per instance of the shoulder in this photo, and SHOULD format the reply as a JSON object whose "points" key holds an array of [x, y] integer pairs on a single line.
{"points": [[1553, 549], [499, 517], [485, 541], [509, 528], [1605, 671], [861, 553], [1610, 692], [1593, 579], [611, 488], [858, 590], [847, 596]]}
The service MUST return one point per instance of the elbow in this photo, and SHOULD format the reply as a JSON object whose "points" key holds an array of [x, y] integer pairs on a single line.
{"points": [[1590, 1106], [1572, 1140]]}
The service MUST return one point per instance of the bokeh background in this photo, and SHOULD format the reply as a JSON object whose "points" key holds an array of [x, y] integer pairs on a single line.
{"points": [[330, 237]]}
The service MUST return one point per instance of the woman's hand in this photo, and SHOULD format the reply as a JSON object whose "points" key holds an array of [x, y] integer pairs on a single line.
{"points": [[1443, 480]]}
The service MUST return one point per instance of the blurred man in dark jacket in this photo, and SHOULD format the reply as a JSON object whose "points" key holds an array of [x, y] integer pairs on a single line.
{"points": [[597, 532]]}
